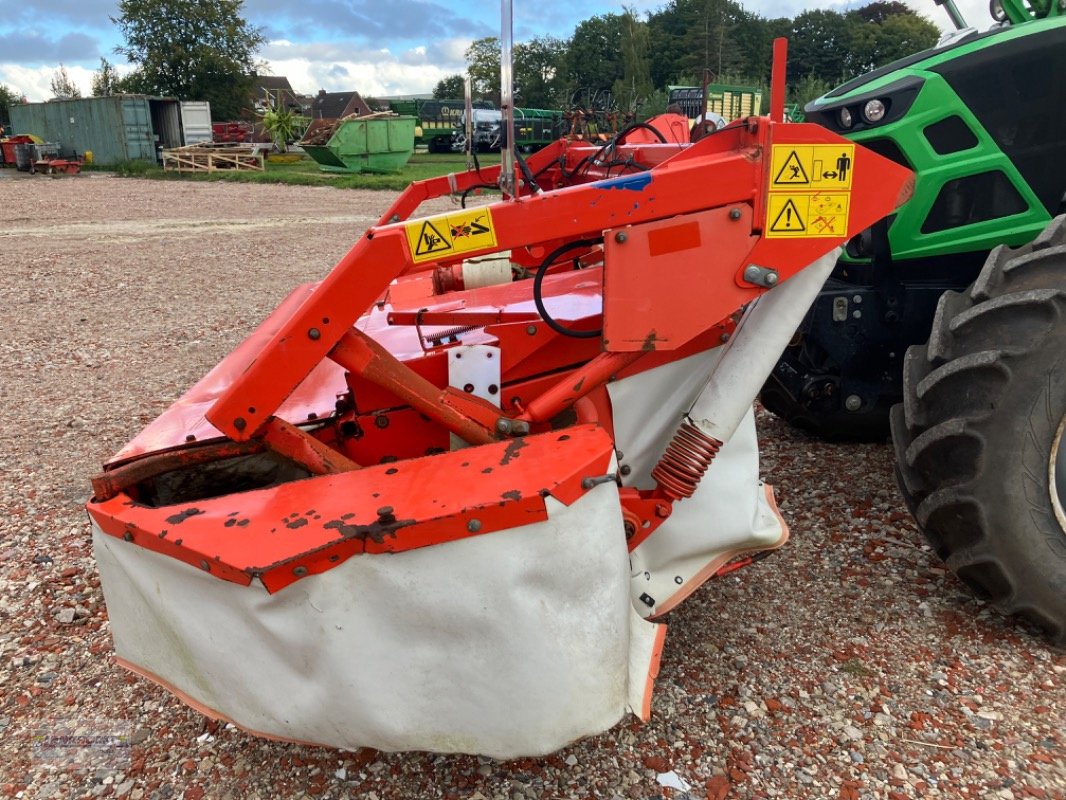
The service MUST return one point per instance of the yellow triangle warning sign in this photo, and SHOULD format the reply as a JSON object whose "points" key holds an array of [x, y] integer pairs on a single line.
{"points": [[788, 219], [431, 241], [792, 172]]}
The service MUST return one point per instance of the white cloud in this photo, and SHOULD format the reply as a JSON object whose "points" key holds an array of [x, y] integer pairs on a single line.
{"points": [[450, 51], [369, 78], [35, 82], [340, 66], [975, 12]]}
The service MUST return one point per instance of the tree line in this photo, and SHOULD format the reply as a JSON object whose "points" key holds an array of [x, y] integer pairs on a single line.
{"points": [[205, 50], [631, 60]]}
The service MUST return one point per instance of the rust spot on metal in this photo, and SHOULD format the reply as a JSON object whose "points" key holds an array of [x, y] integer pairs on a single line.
{"points": [[177, 519], [649, 341], [299, 522], [486, 471], [375, 531], [514, 494], [513, 450], [578, 385]]}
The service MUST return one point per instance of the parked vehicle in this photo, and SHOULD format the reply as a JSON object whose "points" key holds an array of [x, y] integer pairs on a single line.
{"points": [[972, 263]]}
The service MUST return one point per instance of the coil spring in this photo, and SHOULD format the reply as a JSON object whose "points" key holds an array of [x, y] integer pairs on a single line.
{"points": [[687, 457]]}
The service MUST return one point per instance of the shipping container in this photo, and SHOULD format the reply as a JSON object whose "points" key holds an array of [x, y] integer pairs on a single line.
{"points": [[117, 128], [195, 121]]}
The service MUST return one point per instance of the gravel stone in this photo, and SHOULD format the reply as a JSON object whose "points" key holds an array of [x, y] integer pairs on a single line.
{"points": [[118, 294]]}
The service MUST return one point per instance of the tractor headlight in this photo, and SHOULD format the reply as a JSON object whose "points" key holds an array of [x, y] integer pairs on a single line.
{"points": [[874, 111], [844, 118]]}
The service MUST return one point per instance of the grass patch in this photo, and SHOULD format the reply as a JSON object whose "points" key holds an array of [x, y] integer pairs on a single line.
{"points": [[127, 169], [856, 668], [305, 172]]}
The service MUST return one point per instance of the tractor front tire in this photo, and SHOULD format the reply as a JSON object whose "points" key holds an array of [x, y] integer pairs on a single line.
{"points": [[979, 438]]}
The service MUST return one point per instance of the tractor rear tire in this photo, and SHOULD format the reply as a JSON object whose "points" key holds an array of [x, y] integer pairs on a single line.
{"points": [[979, 438]]}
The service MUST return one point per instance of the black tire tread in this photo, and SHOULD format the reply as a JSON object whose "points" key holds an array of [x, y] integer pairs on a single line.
{"points": [[953, 389]]}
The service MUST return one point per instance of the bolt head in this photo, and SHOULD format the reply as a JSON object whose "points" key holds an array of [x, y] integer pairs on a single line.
{"points": [[621, 237], [473, 525], [503, 425], [770, 279], [314, 334], [734, 214], [853, 402]]}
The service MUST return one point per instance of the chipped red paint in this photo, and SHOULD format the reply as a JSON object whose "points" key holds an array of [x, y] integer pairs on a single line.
{"points": [[305, 527], [349, 377]]}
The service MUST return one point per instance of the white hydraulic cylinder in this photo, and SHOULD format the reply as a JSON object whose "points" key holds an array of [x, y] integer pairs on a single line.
{"points": [[757, 344]]}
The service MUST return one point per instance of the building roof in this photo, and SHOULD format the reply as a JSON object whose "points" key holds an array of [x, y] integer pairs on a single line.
{"points": [[267, 90], [334, 105], [273, 82]]}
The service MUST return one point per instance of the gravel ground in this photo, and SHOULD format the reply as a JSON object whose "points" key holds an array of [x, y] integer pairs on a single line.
{"points": [[850, 665]]}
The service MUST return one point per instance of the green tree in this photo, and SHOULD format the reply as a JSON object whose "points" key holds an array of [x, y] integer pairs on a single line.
{"points": [[820, 46], [106, 81], [192, 50], [8, 97], [483, 67], [63, 88], [538, 72], [900, 35], [807, 89], [880, 10], [593, 59], [634, 87], [450, 88]]}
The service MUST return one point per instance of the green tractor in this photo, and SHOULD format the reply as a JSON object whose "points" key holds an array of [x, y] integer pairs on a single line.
{"points": [[975, 263]]}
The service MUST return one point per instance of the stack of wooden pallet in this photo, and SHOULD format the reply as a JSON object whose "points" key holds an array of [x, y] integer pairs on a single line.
{"points": [[213, 156]]}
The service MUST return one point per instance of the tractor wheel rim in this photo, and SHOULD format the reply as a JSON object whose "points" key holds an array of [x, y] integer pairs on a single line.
{"points": [[1057, 473]]}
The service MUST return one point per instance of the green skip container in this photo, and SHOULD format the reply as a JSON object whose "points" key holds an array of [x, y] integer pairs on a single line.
{"points": [[368, 144]]}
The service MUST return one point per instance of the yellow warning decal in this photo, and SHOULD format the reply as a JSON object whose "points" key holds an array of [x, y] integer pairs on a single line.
{"points": [[812, 166], [819, 214], [810, 190], [449, 235]]}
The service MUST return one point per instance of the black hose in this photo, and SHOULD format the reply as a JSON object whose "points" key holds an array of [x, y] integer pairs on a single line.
{"points": [[531, 181], [538, 279], [469, 189], [632, 126]]}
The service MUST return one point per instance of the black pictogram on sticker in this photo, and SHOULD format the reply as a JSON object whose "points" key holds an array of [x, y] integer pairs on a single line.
{"points": [[792, 172], [788, 220], [431, 240], [469, 227]]}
